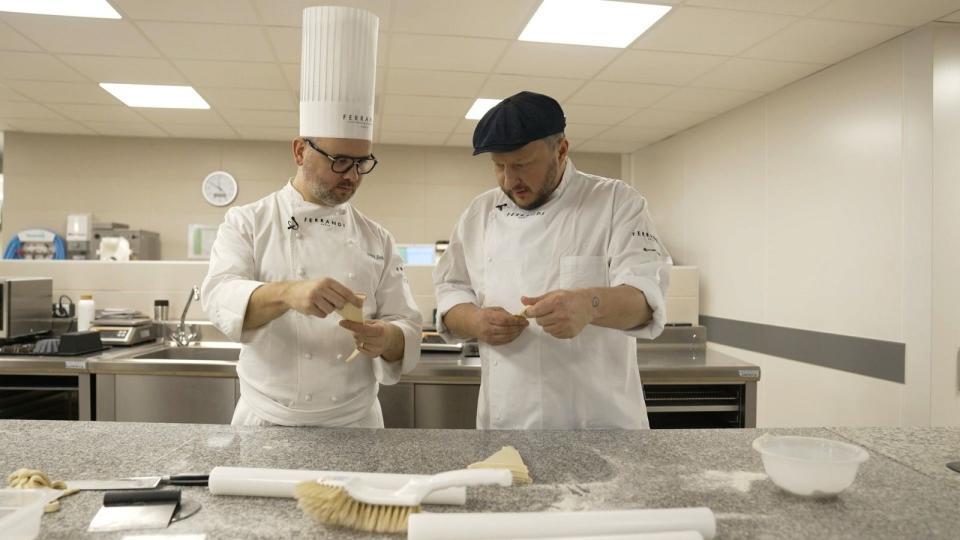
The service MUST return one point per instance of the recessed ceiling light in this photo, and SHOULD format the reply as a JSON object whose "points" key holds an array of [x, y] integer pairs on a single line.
{"points": [[601, 23], [156, 96], [480, 108], [99, 9]]}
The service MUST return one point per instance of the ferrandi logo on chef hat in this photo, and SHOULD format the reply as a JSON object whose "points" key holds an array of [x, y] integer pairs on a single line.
{"points": [[338, 72]]}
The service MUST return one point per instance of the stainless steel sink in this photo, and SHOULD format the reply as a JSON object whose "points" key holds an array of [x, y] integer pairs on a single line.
{"points": [[193, 353]]}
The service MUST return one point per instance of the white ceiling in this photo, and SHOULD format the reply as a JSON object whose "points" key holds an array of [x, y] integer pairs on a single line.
{"points": [[436, 56]]}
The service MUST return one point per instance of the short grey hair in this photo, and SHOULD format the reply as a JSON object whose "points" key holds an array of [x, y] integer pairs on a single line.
{"points": [[554, 140]]}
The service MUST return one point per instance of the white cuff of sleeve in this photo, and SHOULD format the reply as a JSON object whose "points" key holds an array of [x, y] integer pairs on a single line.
{"points": [[654, 295]]}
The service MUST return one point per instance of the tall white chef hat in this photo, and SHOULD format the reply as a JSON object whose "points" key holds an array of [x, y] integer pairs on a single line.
{"points": [[338, 72]]}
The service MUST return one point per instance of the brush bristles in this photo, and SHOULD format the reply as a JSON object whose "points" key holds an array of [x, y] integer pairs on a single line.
{"points": [[333, 505]]}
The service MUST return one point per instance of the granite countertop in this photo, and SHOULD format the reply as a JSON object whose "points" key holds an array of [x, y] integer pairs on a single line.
{"points": [[903, 491]]}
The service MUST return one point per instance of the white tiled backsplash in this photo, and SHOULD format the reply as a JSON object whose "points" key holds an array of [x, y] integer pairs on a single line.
{"points": [[137, 284]]}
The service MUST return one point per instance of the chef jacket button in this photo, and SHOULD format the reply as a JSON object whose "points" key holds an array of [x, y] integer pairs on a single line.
{"points": [[299, 236], [489, 259], [339, 357], [333, 399], [496, 362], [308, 356], [342, 211], [308, 397], [350, 275], [302, 272]]}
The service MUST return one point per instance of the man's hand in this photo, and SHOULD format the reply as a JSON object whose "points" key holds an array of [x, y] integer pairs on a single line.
{"points": [[562, 313], [376, 338], [494, 325], [319, 297]]}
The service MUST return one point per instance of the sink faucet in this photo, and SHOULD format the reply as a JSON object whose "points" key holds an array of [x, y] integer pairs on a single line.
{"points": [[184, 335]]}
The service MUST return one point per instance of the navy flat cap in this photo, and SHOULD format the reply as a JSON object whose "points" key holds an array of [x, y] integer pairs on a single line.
{"points": [[516, 121]]}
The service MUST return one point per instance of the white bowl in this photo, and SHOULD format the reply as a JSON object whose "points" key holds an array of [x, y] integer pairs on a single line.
{"points": [[20, 512], [808, 466]]}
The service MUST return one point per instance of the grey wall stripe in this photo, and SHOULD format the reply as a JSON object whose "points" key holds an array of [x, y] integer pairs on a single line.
{"points": [[871, 357]]}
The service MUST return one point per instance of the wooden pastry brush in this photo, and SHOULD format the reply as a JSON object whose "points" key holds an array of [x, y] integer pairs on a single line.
{"points": [[349, 502]]}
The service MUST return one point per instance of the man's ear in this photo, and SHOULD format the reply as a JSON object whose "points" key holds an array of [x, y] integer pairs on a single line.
{"points": [[562, 150], [298, 149]]}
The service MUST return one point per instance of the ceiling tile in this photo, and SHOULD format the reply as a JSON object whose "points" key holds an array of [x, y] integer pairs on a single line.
{"points": [[63, 92], [895, 12], [124, 70], [659, 67], [78, 35], [262, 133], [553, 60], [209, 41], [582, 132], [233, 74], [290, 12], [784, 7], [711, 31], [503, 19], [128, 129], [433, 83], [412, 137], [706, 99], [423, 124], [444, 52], [822, 42], [182, 116], [200, 131], [591, 114], [466, 126], [19, 109], [635, 134], [240, 117], [426, 106], [613, 93], [460, 140], [9, 94], [501, 86], [35, 66], [608, 147], [11, 40], [953, 17], [292, 73], [41, 125], [242, 98], [758, 75], [209, 11], [98, 113], [677, 120]]}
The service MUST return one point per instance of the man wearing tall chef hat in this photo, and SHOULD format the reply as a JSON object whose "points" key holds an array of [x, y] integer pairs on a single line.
{"points": [[557, 273], [282, 267]]}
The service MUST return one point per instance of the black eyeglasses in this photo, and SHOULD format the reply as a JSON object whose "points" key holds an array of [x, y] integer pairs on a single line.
{"points": [[341, 164]]}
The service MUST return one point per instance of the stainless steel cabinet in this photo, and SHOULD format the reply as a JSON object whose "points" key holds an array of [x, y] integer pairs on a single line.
{"points": [[439, 406], [159, 398], [397, 403]]}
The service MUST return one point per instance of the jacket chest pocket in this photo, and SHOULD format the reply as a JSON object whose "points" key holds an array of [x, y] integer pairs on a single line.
{"points": [[581, 271]]}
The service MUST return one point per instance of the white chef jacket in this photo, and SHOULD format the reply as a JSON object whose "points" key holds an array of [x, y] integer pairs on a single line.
{"points": [[292, 369], [592, 232]]}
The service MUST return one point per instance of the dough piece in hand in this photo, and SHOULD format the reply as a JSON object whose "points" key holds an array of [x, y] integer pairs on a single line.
{"points": [[351, 312], [507, 458], [522, 314]]}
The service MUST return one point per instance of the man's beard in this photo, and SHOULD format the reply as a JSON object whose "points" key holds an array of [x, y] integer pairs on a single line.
{"points": [[331, 197], [550, 183]]}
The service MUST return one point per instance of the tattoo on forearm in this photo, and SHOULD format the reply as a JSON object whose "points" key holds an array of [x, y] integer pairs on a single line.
{"points": [[596, 301]]}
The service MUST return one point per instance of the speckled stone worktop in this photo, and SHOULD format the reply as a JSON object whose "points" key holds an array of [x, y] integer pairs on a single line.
{"points": [[903, 491]]}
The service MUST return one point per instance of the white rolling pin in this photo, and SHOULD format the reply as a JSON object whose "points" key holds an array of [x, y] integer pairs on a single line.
{"points": [[542, 525], [672, 535], [254, 482]]}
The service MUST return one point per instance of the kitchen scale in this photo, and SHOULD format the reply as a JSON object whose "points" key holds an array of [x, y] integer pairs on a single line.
{"points": [[125, 328]]}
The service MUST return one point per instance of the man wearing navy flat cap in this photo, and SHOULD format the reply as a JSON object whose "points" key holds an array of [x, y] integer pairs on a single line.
{"points": [[557, 273]]}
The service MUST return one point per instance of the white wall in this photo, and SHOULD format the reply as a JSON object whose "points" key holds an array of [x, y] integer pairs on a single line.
{"points": [[810, 208], [946, 226]]}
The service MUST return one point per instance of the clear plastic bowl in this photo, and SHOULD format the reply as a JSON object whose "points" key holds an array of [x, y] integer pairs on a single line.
{"points": [[809, 466], [20, 512]]}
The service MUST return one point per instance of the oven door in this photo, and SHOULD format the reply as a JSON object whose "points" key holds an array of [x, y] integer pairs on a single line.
{"points": [[45, 397]]}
